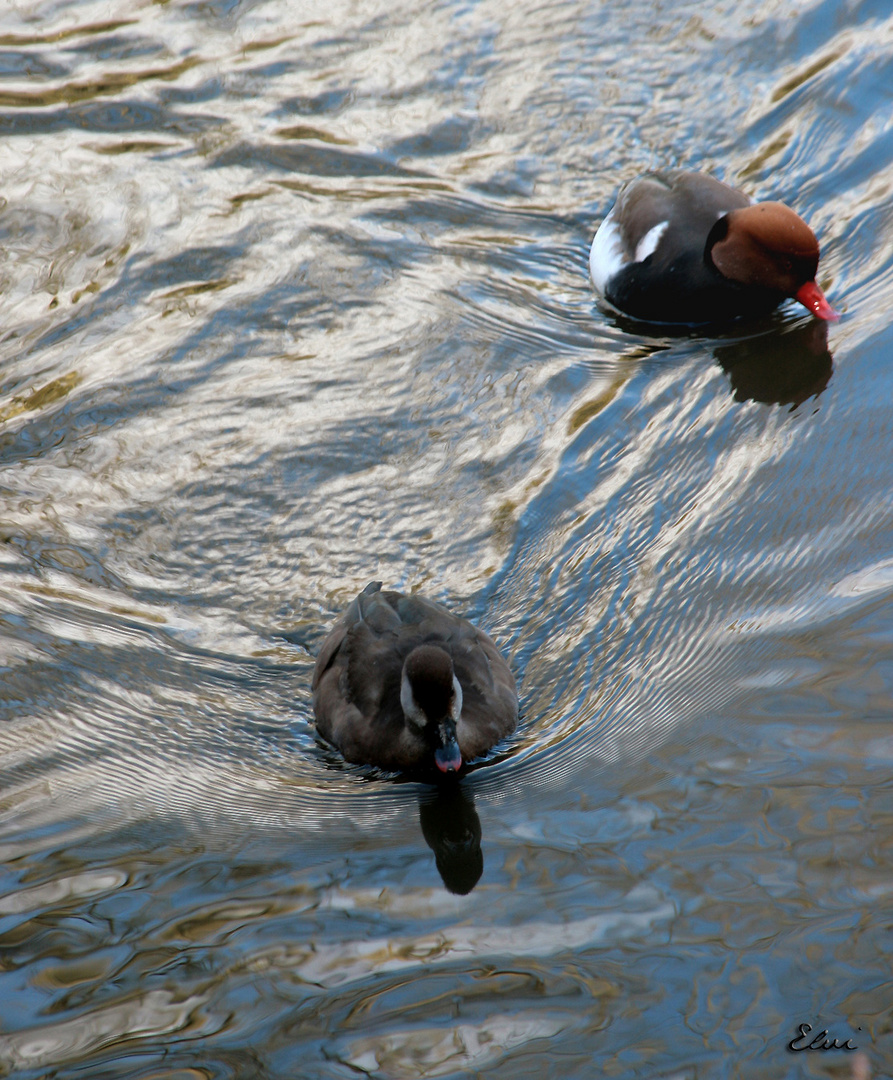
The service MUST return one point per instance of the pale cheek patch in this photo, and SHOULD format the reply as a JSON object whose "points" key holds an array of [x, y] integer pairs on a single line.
{"points": [[411, 709], [606, 254], [648, 244], [456, 710]]}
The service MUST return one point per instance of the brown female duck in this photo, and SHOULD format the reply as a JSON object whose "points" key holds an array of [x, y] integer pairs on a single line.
{"points": [[402, 683]]}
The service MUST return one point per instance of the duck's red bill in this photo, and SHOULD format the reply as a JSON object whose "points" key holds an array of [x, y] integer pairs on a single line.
{"points": [[812, 297], [448, 758]]}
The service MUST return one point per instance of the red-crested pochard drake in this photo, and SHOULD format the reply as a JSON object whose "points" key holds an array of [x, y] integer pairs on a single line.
{"points": [[402, 683], [682, 247]]}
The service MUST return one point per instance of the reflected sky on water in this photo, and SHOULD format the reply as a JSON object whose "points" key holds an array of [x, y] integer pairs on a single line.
{"points": [[294, 297]]}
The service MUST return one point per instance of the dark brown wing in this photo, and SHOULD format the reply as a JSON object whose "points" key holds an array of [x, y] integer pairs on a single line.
{"points": [[356, 684], [693, 200], [489, 694], [329, 650], [369, 620]]}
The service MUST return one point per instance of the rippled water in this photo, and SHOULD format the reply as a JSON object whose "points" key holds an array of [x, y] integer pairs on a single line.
{"points": [[294, 296]]}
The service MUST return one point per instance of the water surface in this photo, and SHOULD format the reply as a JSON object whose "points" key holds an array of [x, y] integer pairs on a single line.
{"points": [[294, 297]]}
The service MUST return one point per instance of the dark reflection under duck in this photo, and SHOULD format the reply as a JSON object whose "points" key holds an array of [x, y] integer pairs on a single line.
{"points": [[773, 361], [783, 367], [452, 829]]}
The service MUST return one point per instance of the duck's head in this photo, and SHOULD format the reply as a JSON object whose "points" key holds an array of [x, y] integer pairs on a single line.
{"points": [[432, 702], [768, 246]]}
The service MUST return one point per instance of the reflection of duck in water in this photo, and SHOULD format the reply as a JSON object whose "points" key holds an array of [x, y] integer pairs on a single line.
{"points": [[681, 247], [452, 830], [403, 684], [778, 363], [784, 367]]}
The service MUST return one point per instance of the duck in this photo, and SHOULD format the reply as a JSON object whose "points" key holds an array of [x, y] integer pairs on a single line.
{"points": [[683, 247], [402, 683]]}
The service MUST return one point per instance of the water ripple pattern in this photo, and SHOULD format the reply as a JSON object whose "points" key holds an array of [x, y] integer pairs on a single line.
{"points": [[295, 297]]}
